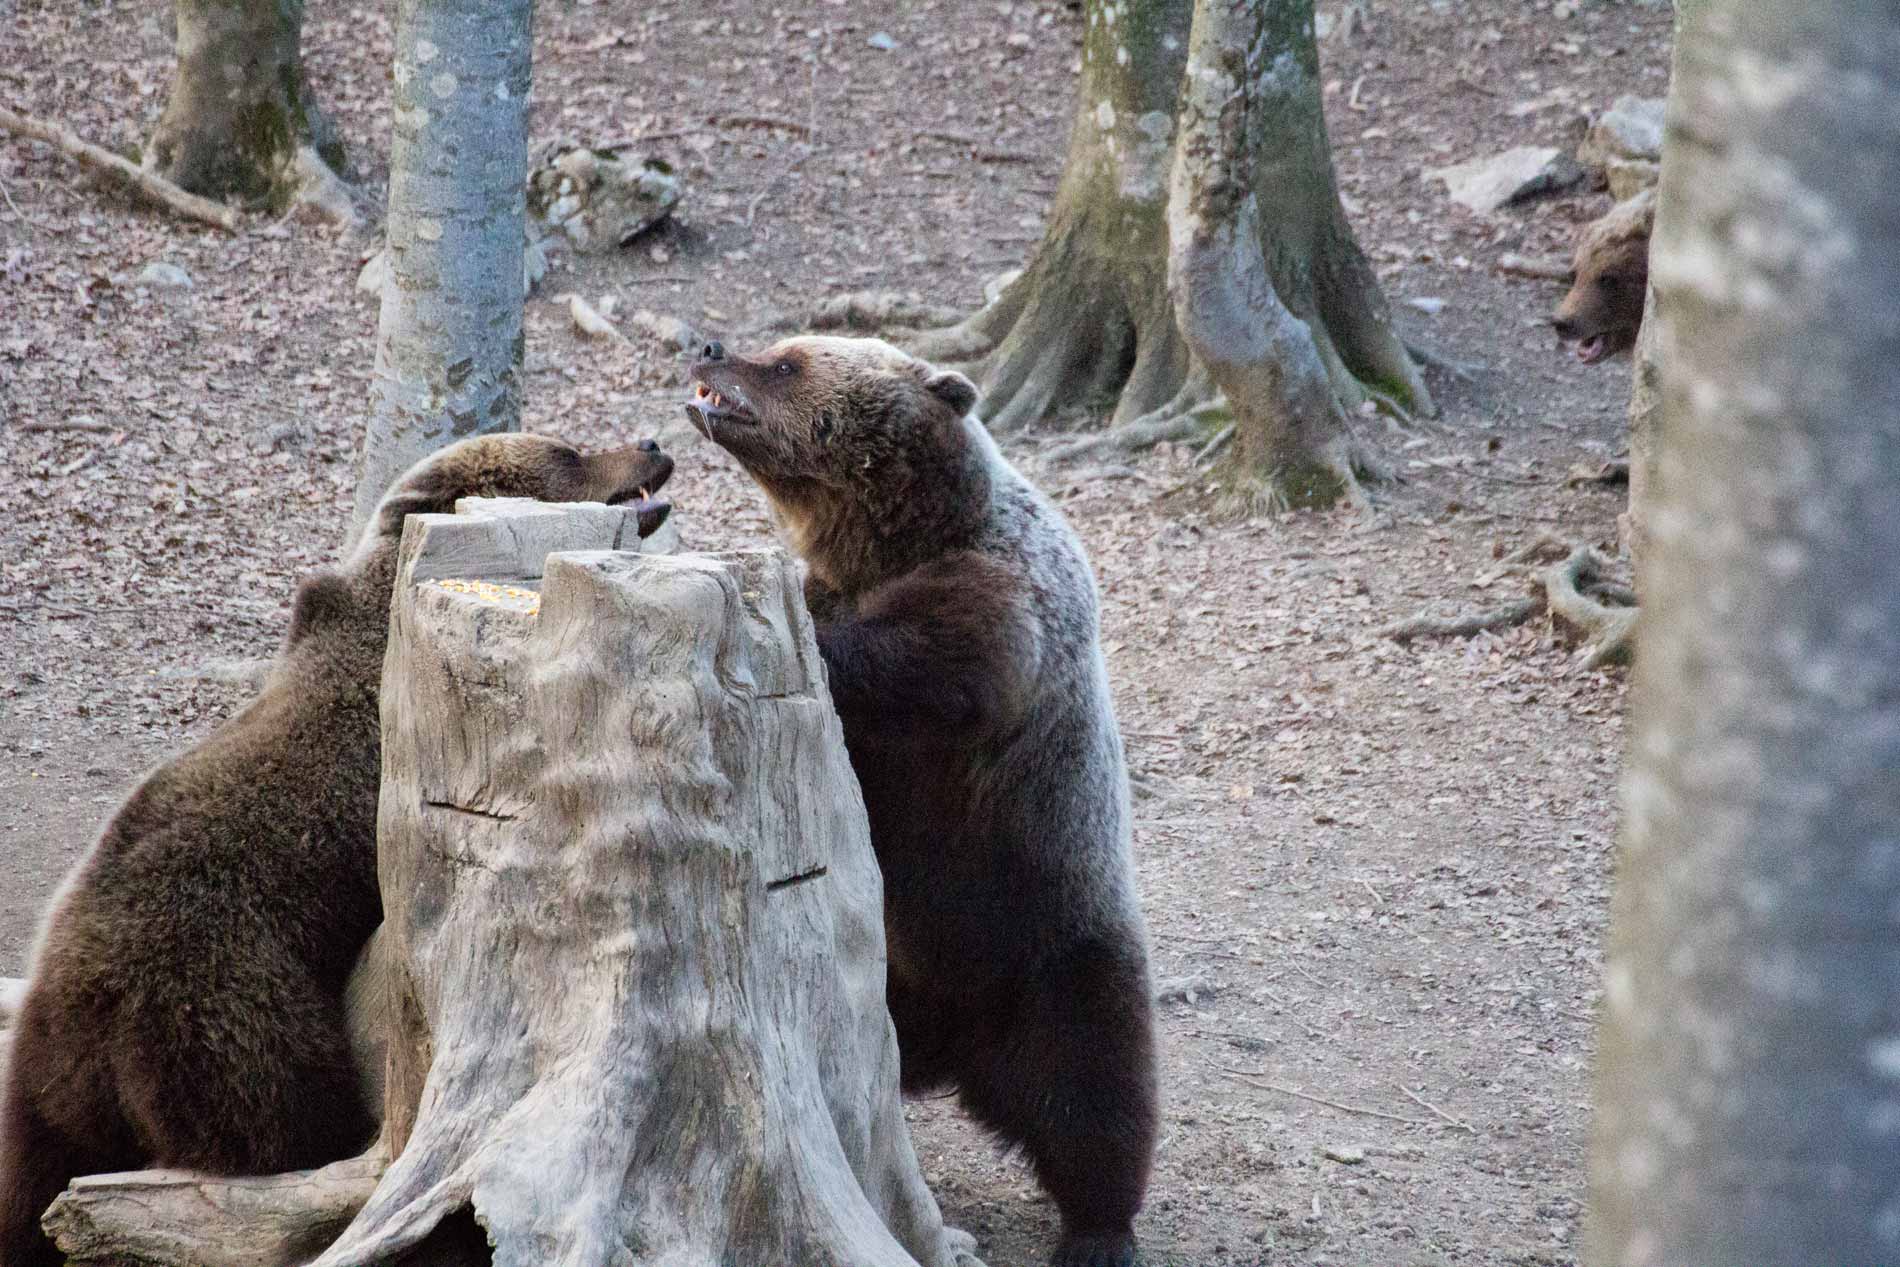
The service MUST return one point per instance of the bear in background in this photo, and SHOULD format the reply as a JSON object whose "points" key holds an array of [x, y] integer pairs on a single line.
{"points": [[1603, 313]]}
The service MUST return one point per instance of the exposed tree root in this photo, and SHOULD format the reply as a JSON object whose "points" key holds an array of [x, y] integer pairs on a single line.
{"points": [[317, 186], [1202, 420], [152, 187], [1610, 630], [1574, 591], [1547, 268], [1501, 617], [1615, 471], [165, 1217], [1463, 371], [873, 311]]}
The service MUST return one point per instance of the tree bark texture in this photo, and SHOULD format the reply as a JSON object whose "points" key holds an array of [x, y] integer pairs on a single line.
{"points": [[635, 923], [1090, 322], [1246, 221], [1749, 1094], [240, 107], [181, 1218], [1646, 369], [449, 344], [1087, 322]]}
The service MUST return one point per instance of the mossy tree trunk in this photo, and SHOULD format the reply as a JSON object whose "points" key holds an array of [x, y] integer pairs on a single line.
{"points": [[1089, 323], [1273, 295], [449, 343], [1086, 324], [240, 109], [1749, 1066]]}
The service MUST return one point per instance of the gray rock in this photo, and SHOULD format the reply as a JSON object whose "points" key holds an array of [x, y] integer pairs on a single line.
{"points": [[164, 275], [882, 40], [1631, 129], [599, 200], [1486, 185]]}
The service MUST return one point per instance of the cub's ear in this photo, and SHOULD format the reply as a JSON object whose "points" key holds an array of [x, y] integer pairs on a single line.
{"points": [[953, 390], [323, 600]]}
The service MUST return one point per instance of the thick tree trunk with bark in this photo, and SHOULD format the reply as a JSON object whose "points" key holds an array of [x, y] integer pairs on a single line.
{"points": [[635, 923], [1255, 227], [1090, 319], [240, 110], [1087, 323], [1750, 1060], [449, 344], [1646, 369]]}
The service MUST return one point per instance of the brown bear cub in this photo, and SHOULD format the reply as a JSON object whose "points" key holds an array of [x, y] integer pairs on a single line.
{"points": [[956, 616], [185, 1004], [1603, 313]]}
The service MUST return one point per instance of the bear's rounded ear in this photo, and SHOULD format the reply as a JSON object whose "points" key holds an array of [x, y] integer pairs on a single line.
{"points": [[953, 389]]}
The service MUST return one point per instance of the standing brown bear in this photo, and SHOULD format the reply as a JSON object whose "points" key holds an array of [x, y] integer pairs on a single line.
{"points": [[957, 620], [185, 1005]]}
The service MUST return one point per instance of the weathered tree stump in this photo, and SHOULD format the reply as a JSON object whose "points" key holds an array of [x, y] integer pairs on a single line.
{"points": [[634, 925]]}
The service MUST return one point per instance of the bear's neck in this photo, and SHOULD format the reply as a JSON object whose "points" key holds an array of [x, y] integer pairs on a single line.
{"points": [[856, 539]]}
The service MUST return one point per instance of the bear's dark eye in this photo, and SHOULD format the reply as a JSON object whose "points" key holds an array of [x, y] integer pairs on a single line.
{"points": [[1608, 283], [785, 369]]}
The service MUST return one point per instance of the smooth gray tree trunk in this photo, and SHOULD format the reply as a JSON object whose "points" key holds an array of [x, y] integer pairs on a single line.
{"points": [[1749, 1095], [449, 344], [240, 108]]}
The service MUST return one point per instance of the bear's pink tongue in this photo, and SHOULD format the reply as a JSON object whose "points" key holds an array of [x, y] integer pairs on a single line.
{"points": [[1590, 350]]}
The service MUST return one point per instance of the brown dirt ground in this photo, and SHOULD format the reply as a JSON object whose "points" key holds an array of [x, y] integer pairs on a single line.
{"points": [[1376, 875]]}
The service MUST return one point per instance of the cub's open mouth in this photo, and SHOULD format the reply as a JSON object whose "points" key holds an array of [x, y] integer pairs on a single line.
{"points": [[1593, 349], [711, 406], [649, 511]]}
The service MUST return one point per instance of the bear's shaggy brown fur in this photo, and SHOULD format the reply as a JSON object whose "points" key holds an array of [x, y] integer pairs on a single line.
{"points": [[185, 1004], [957, 620], [1603, 312]]}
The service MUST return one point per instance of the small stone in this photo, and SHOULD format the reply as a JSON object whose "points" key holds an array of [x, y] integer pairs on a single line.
{"points": [[164, 275], [1632, 128], [1486, 185], [882, 40], [1431, 306], [374, 273], [1344, 1154], [598, 199]]}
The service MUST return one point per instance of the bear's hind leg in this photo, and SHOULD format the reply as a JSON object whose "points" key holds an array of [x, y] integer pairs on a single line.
{"points": [[256, 1083], [1070, 1078]]}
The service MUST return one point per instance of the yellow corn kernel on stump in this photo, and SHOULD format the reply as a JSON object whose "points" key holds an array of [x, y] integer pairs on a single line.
{"points": [[505, 595]]}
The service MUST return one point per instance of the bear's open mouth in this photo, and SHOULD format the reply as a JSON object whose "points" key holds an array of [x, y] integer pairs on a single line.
{"points": [[1593, 349], [710, 406], [648, 511]]}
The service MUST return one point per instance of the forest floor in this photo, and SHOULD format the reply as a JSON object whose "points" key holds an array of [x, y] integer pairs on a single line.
{"points": [[1376, 875]]}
